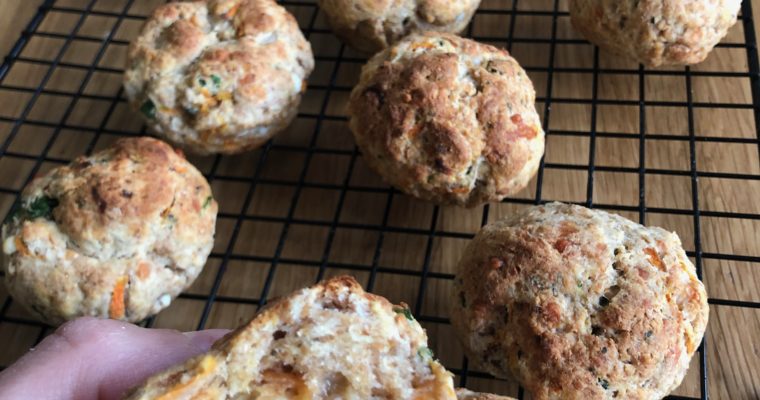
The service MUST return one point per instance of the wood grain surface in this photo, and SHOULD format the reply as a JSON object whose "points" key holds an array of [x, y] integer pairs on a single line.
{"points": [[337, 215]]}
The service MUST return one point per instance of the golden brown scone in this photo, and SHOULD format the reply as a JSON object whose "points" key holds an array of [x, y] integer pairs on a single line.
{"points": [[218, 76], [448, 120], [579, 304], [117, 235], [372, 25], [329, 341], [655, 32], [464, 394]]}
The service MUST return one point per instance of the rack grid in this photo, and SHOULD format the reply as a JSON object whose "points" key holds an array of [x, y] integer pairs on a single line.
{"points": [[651, 144]]}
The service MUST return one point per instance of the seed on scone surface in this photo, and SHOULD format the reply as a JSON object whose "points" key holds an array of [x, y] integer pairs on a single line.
{"points": [[655, 32], [579, 304], [372, 25], [448, 119], [218, 76], [117, 234]]}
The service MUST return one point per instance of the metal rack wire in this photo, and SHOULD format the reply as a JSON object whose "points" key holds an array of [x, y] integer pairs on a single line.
{"points": [[321, 115]]}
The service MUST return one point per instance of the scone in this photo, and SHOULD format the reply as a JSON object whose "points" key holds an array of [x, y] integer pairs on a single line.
{"points": [[655, 32], [329, 341], [372, 25], [464, 394], [579, 304], [218, 76], [448, 119], [117, 235]]}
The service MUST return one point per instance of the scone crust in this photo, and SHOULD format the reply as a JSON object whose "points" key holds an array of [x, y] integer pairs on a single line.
{"points": [[464, 394], [121, 233], [580, 304], [655, 32], [382, 350], [372, 25], [448, 119], [218, 76]]}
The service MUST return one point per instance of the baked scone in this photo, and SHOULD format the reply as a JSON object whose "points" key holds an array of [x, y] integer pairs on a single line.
{"points": [[448, 119], [117, 234], [464, 394], [329, 341], [218, 76], [579, 304], [655, 32], [372, 25]]}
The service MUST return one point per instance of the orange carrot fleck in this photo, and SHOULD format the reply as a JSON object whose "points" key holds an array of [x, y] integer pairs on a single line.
{"points": [[143, 270], [422, 45], [116, 308], [654, 258], [21, 246], [523, 130], [231, 13]]}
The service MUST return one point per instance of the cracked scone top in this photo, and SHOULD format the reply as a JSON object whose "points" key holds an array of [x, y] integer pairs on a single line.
{"points": [[329, 341], [218, 76], [579, 304], [448, 119], [116, 235], [655, 32], [372, 25]]}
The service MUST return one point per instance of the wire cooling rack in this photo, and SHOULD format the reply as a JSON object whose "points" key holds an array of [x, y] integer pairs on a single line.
{"points": [[672, 147]]}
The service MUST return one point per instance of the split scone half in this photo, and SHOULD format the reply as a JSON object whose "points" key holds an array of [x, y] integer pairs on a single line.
{"points": [[329, 341]]}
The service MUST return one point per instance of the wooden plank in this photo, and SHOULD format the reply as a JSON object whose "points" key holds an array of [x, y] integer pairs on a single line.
{"points": [[13, 19]]}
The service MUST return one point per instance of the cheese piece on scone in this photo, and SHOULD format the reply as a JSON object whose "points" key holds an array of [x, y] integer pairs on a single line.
{"points": [[332, 340]]}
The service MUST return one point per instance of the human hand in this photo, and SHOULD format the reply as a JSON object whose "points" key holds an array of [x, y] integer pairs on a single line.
{"points": [[91, 358]]}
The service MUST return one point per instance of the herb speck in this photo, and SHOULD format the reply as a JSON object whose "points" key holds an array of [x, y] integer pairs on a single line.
{"points": [[41, 207], [207, 202], [148, 109], [403, 310], [425, 352]]}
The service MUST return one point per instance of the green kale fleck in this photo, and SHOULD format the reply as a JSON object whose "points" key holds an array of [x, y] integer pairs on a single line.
{"points": [[41, 207], [207, 202], [603, 382], [425, 352], [403, 310], [202, 82], [217, 80], [148, 109]]}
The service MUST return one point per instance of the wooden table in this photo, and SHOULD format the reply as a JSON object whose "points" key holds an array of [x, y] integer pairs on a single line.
{"points": [[318, 234]]}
